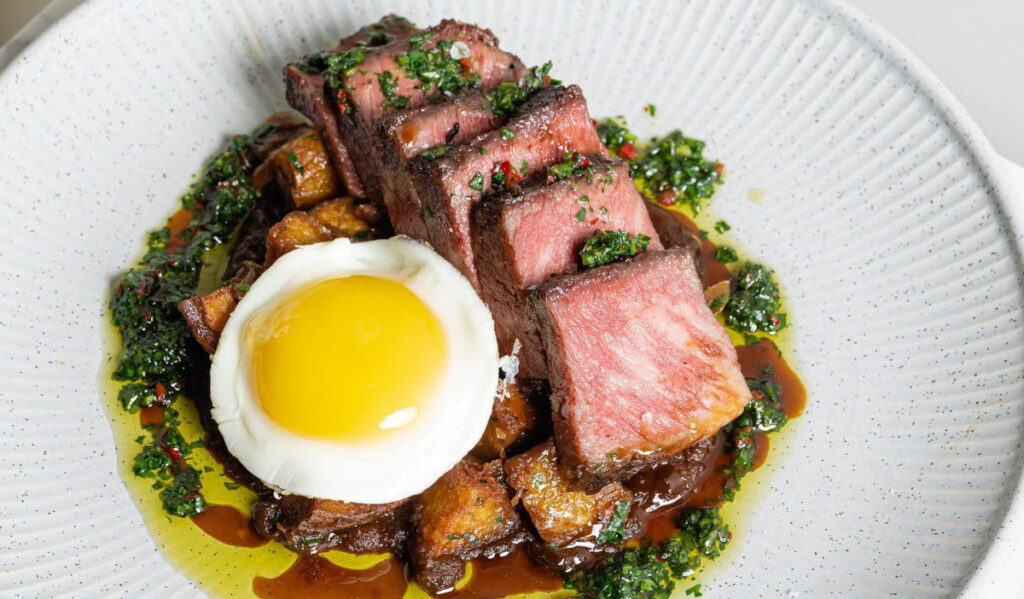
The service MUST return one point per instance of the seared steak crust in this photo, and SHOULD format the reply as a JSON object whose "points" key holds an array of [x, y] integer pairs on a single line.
{"points": [[555, 120], [305, 92]]}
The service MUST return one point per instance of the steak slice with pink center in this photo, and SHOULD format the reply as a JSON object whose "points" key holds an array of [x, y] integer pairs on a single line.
{"points": [[555, 120], [639, 367], [305, 92], [403, 75], [405, 135], [521, 239]]}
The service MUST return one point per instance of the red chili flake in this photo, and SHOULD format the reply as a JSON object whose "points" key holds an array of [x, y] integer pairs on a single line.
{"points": [[757, 395], [511, 176], [343, 102], [161, 392], [547, 80], [147, 316], [174, 452], [668, 198], [585, 162], [594, 220], [628, 151], [719, 168], [120, 289], [466, 63], [593, 122], [775, 320]]}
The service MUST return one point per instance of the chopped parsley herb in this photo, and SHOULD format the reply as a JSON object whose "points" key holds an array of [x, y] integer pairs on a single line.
{"points": [[722, 226], [435, 152], [295, 162], [614, 135], [468, 536], [231, 486], [508, 96], [482, 151], [338, 66], [157, 346], [672, 170], [764, 413], [614, 531], [582, 214], [507, 133], [725, 254], [477, 182], [388, 84], [242, 287], [649, 571], [754, 307], [651, 109], [443, 70], [573, 164], [694, 591], [605, 247]]}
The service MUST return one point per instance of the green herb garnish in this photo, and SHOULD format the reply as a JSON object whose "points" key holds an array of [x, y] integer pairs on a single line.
{"points": [[605, 247], [754, 307]]}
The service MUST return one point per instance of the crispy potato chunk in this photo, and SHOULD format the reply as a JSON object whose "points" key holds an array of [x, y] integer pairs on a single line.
{"points": [[561, 515], [295, 229], [207, 314], [304, 172], [340, 216], [330, 220], [466, 514], [511, 419]]}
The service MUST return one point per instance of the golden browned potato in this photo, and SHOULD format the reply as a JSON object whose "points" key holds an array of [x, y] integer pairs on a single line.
{"points": [[207, 314], [340, 216], [295, 229], [512, 417], [466, 514], [304, 171], [561, 515]]}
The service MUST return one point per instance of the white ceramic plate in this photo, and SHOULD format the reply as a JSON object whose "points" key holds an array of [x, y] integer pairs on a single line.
{"points": [[894, 236]]}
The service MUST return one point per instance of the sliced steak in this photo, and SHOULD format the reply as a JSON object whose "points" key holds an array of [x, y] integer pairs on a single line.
{"points": [[573, 527], [639, 367], [521, 239], [466, 514], [305, 91], [552, 122], [405, 135], [380, 86]]}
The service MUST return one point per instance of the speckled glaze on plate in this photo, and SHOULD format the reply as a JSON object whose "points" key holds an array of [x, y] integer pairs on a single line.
{"points": [[894, 234]]}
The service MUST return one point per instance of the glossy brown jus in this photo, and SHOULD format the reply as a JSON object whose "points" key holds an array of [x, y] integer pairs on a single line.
{"points": [[515, 574], [753, 359], [316, 577], [714, 271], [229, 525]]}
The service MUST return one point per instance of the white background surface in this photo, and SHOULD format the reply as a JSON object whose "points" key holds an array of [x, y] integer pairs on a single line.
{"points": [[976, 47]]}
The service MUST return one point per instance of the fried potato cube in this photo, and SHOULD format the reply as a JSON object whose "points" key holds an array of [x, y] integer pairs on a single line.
{"points": [[207, 314], [512, 418], [466, 514], [295, 229], [304, 171], [561, 515], [340, 215]]}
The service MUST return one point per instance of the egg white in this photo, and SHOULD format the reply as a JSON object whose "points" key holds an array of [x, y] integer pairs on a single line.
{"points": [[409, 459]]}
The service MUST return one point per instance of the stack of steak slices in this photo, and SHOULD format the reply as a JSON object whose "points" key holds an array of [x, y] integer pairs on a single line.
{"points": [[502, 171]]}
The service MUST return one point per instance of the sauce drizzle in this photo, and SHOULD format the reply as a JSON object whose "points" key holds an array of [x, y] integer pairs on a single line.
{"points": [[229, 525], [514, 574], [316, 577]]}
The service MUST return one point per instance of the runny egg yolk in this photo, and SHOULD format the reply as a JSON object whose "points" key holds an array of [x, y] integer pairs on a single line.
{"points": [[346, 359]]}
